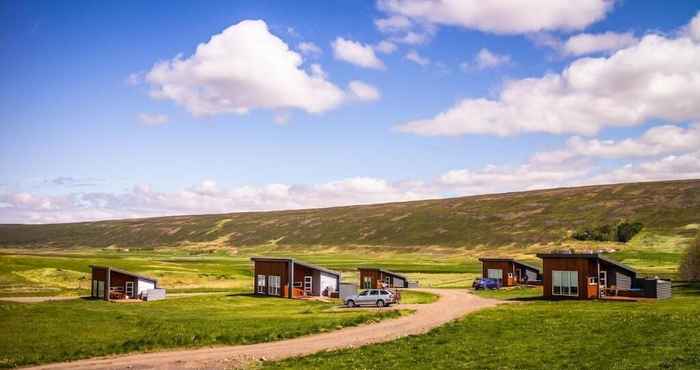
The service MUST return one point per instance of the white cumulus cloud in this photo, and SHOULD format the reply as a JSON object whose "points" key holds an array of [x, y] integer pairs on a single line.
{"points": [[657, 78], [414, 57], [485, 59], [242, 68], [363, 91], [498, 16], [356, 53], [309, 48], [587, 43]]}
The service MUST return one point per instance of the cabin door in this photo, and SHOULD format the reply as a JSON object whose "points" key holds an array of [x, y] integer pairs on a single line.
{"points": [[603, 282], [308, 284], [129, 289]]}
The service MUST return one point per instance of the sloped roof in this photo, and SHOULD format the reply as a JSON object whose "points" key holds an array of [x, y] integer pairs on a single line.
{"points": [[126, 273], [533, 267], [599, 256], [384, 271], [297, 262]]}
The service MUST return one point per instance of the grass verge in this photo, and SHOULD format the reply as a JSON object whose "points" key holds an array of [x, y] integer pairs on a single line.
{"points": [[542, 335], [68, 330]]}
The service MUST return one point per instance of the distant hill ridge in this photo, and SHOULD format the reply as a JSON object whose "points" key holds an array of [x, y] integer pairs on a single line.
{"points": [[539, 216]]}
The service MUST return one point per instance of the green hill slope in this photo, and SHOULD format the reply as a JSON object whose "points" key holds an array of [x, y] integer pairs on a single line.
{"points": [[542, 216]]}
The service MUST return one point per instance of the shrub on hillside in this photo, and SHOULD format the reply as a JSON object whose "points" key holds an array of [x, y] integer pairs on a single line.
{"points": [[690, 261], [622, 232]]}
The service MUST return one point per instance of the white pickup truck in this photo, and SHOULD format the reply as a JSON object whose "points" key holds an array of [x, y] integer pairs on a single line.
{"points": [[373, 297]]}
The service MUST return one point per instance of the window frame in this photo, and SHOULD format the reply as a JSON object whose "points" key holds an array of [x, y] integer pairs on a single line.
{"points": [[568, 283], [261, 288]]}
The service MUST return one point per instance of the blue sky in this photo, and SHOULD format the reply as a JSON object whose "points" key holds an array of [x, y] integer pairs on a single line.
{"points": [[89, 130]]}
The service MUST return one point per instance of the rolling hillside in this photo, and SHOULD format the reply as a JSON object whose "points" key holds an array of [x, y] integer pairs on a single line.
{"points": [[543, 216]]}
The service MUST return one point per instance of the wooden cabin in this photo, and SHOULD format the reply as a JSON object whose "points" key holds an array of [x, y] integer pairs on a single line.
{"points": [[291, 278], [109, 283], [373, 278], [593, 275], [583, 275], [509, 272]]}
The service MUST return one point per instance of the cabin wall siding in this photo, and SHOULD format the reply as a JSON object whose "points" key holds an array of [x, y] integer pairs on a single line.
{"points": [[271, 268]]}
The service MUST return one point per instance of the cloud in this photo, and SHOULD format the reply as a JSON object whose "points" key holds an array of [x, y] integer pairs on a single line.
{"points": [[587, 43], [309, 48], [394, 23], [356, 53], [676, 167], [206, 197], [414, 57], [363, 91], [496, 16], [385, 47], [242, 68], [659, 140], [67, 181], [692, 30], [404, 31], [485, 59], [658, 78], [153, 119]]}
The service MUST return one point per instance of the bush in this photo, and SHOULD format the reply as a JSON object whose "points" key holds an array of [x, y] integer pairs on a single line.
{"points": [[622, 232], [690, 261], [625, 231]]}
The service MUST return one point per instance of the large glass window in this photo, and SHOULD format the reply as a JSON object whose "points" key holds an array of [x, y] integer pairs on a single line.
{"points": [[565, 283], [275, 285], [496, 274], [261, 284]]}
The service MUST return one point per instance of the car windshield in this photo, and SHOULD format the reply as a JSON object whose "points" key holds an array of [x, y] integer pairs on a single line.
{"points": [[384, 292], [363, 293]]}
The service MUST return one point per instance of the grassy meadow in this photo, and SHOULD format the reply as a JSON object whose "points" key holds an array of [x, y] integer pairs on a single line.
{"points": [[67, 330], [436, 242], [537, 334]]}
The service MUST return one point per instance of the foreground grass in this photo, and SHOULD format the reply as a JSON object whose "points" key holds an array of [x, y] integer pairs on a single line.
{"points": [[68, 330], [542, 335]]}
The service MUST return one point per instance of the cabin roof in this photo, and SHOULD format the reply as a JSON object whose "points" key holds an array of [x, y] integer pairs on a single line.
{"points": [[384, 271], [598, 256], [533, 267], [297, 262], [143, 277]]}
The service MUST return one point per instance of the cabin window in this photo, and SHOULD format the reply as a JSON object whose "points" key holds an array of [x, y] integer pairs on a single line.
{"points": [[261, 284], [565, 283], [367, 282], [387, 280], [275, 285], [592, 280], [496, 274], [98, 288]]}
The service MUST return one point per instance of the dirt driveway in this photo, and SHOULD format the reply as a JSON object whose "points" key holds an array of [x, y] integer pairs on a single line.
{"points": [[452, 305]]}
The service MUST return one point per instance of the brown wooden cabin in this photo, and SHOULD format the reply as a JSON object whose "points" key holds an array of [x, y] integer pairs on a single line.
{"points": [[509, 272], [291, 278], [373, 278], [110, 283], [593, 275]]}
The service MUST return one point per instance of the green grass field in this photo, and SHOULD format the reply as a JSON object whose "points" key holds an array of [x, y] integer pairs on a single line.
{"points": [[539, 334], [435, 242], [416, 297], [68, 330]]}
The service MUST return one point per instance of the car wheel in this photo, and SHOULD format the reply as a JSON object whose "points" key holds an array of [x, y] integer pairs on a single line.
{"points": [[350, 303], [380, 303]]}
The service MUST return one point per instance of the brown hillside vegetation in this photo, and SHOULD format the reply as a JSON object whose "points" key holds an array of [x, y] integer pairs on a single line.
{"points": [[541, 216]]}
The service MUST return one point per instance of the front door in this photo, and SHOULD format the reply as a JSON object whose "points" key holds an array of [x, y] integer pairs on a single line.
{"points": [[308, 285], [603, 282], [129, 289]]}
